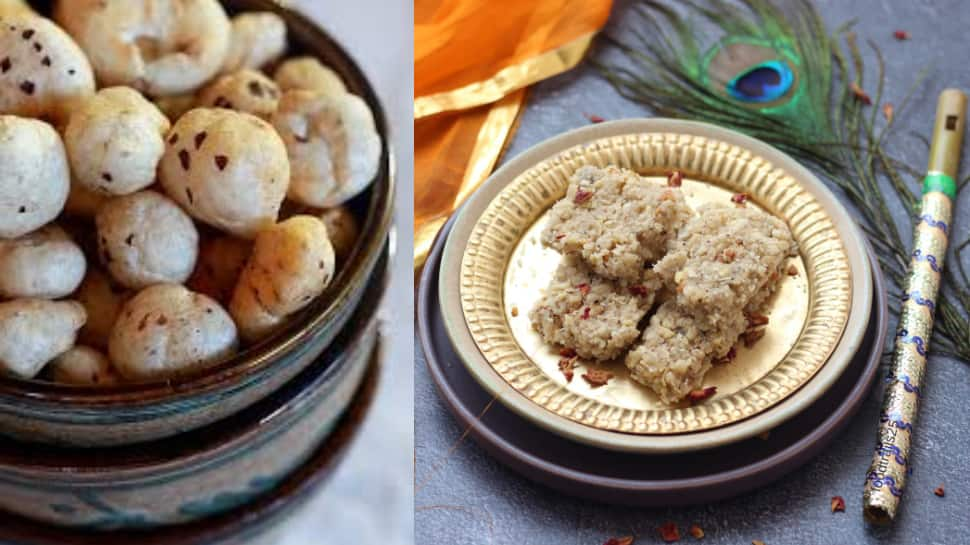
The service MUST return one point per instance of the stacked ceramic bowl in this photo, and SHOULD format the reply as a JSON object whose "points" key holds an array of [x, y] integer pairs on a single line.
{"points": [[777, 402], [224, 452]]}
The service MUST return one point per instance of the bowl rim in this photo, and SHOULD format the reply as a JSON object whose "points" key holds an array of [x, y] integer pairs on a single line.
{"points": [[273, 411], [257, 358]]}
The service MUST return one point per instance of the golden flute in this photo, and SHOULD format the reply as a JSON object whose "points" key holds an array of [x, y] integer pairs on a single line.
{"points": [[886, 478]]}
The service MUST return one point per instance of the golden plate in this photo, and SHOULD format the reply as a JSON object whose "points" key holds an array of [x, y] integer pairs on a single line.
{"points": [[501, 267]]}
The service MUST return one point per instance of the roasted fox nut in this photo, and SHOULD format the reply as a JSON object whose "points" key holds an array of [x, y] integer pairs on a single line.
{"points": [[166, 330], [157, 48], [44, 264], [291, 264], [103, 299], [227, 169], [221, 260], [244, 91], [333, 146], [43, 73], [145, 238], [343, 230], [115, 140], [256, 39], [34, 176], [83, 366], [35, 331], [308, 74]]}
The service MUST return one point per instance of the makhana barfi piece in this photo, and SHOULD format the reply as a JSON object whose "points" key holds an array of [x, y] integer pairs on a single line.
{"points": [[617, 221], [726, 262], [727, 259], [678, 347], [592, 315]]}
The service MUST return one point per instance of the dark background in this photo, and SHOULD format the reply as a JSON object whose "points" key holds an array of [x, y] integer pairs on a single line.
{"points": [[466, 497]]}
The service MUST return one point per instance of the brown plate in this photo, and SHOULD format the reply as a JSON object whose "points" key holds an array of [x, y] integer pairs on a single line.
{"points": [[243, 524], [649, 480]]}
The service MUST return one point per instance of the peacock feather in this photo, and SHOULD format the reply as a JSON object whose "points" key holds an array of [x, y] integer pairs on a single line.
{"points": [[771, 69], [768, 74]]}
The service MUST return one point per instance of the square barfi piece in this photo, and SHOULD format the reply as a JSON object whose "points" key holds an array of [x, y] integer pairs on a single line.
{"points": [[617, 221], [594, 316], [726, 259], [677, 349]]}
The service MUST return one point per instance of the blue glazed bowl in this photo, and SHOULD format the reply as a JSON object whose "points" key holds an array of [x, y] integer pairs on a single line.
{"points": [[201, 473], [255, 523], [39, 411]]}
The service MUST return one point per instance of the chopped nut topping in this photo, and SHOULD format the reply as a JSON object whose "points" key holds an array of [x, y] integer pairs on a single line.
{"points": [[566, 365], [887, 112], [639, 290], [792, 270], [727, 256], [756, 319], [702, 393], [669, 532], [752, 336], [675, 178], [515, 311], [837, 504], [597, 377], [859, 94], [726, 358]]}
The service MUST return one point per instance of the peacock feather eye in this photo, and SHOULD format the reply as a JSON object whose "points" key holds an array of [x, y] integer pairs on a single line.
{"points": [[754, 72], [764, 82]]}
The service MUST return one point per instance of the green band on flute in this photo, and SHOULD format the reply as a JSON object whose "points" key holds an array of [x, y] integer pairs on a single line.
{"points": [[937, 181]]}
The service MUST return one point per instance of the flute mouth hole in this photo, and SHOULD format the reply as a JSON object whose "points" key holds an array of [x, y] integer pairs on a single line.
{"points": [[877, 515]]}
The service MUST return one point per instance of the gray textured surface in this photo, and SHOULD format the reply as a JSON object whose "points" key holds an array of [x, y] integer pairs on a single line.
{"points": [[464, 496], [369, 500]]}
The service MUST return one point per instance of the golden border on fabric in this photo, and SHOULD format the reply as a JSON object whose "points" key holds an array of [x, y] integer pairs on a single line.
{"points": [[521, 203], [506, 80], [492, 137]]}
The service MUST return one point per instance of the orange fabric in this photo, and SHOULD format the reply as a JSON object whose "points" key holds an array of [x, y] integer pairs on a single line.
{"points": [[460, 42], [457, 42], [443, 144]]}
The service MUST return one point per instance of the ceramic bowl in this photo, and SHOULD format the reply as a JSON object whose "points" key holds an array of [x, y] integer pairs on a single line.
{"points": [[258, 522], [200, 473], [78, 416]]}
